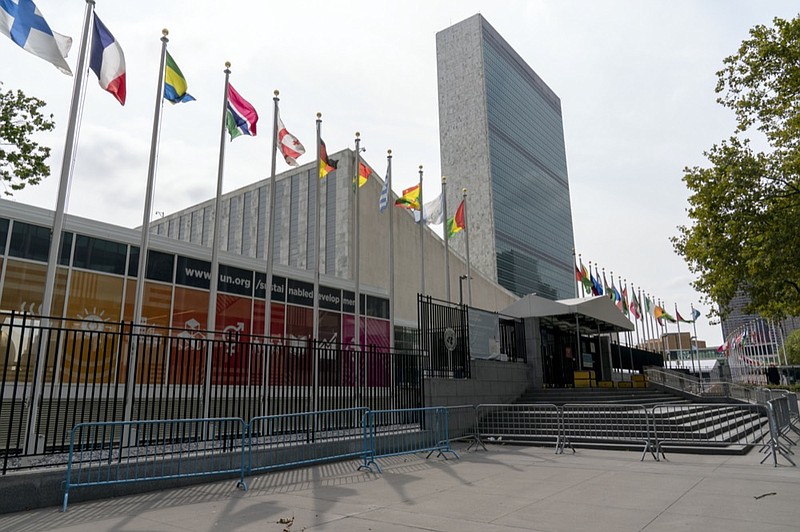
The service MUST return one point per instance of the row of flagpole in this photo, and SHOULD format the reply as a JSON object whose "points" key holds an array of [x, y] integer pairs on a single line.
{"points": [[652, 323]]}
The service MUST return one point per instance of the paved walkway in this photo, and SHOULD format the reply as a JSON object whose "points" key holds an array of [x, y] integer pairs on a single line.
{"points": [[506, 488]]}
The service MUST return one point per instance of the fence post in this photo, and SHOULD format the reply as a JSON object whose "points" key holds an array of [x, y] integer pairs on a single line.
{"points": [[38, 381], [130, 373]]}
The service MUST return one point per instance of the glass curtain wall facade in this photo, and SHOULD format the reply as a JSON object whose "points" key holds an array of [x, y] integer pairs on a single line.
{"points": [[502, 112], [96, 282]]}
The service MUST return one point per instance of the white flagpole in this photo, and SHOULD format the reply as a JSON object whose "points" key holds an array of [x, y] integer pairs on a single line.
{"points": [[151, 179], [390, 206], [446, 246], [212, 294], [357, 241], [315, 330], [469, 265], [67, 167], [421, 238], [67, 163], [268, 255]]}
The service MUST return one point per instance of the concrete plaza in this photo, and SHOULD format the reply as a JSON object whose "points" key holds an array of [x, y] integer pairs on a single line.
{"points": [[504, 488]]}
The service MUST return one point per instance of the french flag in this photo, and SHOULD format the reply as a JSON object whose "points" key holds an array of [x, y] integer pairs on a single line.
{"points": [[108, 61]]}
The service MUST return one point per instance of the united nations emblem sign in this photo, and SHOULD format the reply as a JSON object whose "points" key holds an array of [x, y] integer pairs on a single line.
{"points": [[450, 339]]}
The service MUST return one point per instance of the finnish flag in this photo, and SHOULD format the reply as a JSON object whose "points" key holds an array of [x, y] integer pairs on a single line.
{"points": [[22, 22]]}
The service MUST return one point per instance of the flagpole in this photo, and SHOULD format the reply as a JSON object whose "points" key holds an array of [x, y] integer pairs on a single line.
{"points": [[575, 264], [67, 167], [635, 318], [680, 341], [67, 163], [391, 246], [694, 350], [421, 237], [141, 273], [469, 265], [269, 257], [315, 330], [446, 246], [357, 240], [212, 294]]}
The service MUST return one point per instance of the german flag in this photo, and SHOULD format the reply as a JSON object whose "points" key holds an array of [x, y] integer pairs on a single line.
{"points": [[326, 166]]}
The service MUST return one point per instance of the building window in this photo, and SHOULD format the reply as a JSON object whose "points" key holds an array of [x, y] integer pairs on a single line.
{"points": [[100, 255], [29, 241], [160, 266], [3, 235]]}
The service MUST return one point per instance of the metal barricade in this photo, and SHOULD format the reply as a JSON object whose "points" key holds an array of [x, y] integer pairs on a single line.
{"points": [[462, 425], [404, 431], [779, 422], [614, 425], [118, 452], [537, 424], [734, 427], [291, 440]]}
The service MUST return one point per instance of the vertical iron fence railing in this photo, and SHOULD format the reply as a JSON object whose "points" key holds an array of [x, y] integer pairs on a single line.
{"points": [[96, 371], [444, 338]]}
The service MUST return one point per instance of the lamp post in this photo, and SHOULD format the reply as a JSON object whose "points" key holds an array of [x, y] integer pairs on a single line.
{"points": [[461, 279]]}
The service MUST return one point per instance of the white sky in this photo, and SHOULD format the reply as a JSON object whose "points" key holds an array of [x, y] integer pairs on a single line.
{"points": [[636, 80]]}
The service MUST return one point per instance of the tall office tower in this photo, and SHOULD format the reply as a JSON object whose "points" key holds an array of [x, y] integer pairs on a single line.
{"points": [[502, 138]]}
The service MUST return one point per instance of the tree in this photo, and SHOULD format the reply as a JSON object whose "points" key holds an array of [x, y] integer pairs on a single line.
{"points": [[792, 346], [22, 160], [745, 208]]}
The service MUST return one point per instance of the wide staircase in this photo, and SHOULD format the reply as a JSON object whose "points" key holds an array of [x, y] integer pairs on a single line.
{"points": [[625, 418], [635, 396]]}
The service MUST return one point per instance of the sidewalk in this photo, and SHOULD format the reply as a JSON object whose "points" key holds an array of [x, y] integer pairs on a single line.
{"points": [[506, 488]]}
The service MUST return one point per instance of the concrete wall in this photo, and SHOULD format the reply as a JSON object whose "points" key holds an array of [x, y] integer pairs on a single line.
{"points": [[491, 382]]}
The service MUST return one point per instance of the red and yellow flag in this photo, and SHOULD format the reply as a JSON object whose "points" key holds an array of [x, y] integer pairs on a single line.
{"points": [[409, 199], [326, 165], [456, 222], [363, 174]]}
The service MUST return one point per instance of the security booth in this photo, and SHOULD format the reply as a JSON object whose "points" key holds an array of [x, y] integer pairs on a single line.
{"points": [[570, 340]]}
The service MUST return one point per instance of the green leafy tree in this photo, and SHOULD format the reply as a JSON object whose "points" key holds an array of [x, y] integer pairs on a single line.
{"points": [[745, 207], [792, 346], [22, 160]]}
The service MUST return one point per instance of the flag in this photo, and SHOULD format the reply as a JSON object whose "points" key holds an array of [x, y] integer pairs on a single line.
{"points": [[364, 172], [326, 166], [433, 211], [625, 301], [586, 279], [617, 296], [383, 200], [456, 222], [107, 61], [409, 199], [174, 83], [241, 117], [596, 291], [23, 23], [660, 314], [681, 318], [695, 314], [609, 290], [596, 281], [578, 274], [648, 305], [290, 147], [635, 307]]}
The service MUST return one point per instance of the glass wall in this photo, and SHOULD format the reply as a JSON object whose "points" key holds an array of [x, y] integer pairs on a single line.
{"points": [[527, 153]]}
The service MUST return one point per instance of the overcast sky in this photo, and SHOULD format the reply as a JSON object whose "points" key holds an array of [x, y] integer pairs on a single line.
{"points": [[636, 81]]}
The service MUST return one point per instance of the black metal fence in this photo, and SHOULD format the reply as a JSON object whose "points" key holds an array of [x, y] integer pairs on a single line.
{"points": [[57, 373], [444, 337]]}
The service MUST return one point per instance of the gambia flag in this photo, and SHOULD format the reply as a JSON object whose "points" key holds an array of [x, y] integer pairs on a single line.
{"points": [[456, 222], [241, 117]]}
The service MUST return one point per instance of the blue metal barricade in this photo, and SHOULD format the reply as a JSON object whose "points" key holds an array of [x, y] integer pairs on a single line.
{"points": [[290, 440], [117, 452], [404, 431]]}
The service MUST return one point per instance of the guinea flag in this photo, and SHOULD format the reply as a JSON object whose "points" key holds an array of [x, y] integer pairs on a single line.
{"points": [[456, 222]]}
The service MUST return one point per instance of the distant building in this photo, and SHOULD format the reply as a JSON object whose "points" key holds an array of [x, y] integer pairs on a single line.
{"points": [[502, 137]]}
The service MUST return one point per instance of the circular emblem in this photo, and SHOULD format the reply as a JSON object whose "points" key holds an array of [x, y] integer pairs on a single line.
{"points": [[450, 339]]}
